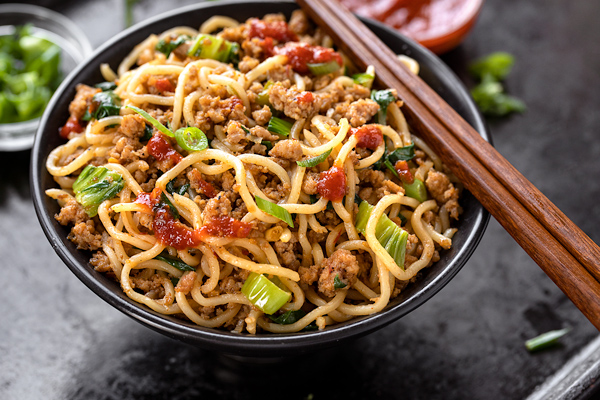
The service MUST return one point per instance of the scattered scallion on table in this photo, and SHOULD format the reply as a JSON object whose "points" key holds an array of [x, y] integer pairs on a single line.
{"points": [[545, 340]]}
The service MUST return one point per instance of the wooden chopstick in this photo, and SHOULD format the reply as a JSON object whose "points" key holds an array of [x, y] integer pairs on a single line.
{"points": [[563, 251]]}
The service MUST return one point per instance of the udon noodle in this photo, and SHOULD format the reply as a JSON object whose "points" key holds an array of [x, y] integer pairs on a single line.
{"points": [[260, 230]]}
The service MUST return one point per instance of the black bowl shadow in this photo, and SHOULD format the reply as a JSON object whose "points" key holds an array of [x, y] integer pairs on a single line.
{"points": [[433, 71]]}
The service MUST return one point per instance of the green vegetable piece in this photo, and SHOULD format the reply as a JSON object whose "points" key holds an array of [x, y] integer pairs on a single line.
{"points": [[191, 139], [173, 262], [416, 190], [363, 79], [323, 68], [388, 233], [183, 189], [106, 86], [165, 200], [152, 120], [274, 210], [215, 48], [267, 144], [264, 294], [148, 132], [405, 153], [492, 101], [314, 161], [263, 96], [389, 166], [95, 185], [288, 317], [167, 47], [108, 103], [496, 65], [384, 98], [545, 340], [337, 283], [280, 126]]}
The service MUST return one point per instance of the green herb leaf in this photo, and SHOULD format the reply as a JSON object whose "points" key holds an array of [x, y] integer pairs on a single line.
{"points": [[191, 139], [493, 102], [384, 98], [274, 210], [95, 185], [106, 104], [545, 340], [337, 283], [280, 126], [166, 47], [106, 86], [148, 132], [405, 153], [264, 294], [267, 144], [288, 317], [152, 120], [165, 200], [314, 161], [496, 65], [173, 262]]}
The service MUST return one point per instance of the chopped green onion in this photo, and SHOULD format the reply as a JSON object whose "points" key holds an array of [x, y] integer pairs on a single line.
{"points": [[267, 144], [191, 139], [215, 48], [274, 210], [388, 233], [263, 97], [152, 120], [545, 340], [337, 283], [106, 86], [389, 166], [416, 190], [405, 153], [363, 79], [167, 47], [323, 68], [264, 294], [384, 98], [180, 265], [314, 161], [245, 129], [280, 126], [95, 185]]}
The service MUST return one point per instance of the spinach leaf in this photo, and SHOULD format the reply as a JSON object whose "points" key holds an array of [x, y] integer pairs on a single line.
{"points": [[384, 98]]}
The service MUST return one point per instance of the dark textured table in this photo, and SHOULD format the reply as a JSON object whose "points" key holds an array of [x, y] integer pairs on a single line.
{"points": [[59, 341]]}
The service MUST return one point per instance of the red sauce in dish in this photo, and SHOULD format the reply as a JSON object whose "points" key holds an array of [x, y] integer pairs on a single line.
{"points": [[161, 149], [148, 200], [164, 85], [368, 136], [225, 227], [173, 233], [300, 54], [206, 188], [439, 25], [278, 30], [332, 184], [402, 169], [72, 126]]}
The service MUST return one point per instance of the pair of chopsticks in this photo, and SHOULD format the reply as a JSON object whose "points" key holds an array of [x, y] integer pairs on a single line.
{"points": [[563, 251]]}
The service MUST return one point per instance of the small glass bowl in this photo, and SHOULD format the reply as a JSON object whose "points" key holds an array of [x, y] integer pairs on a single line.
{"points": [[56, 28]]}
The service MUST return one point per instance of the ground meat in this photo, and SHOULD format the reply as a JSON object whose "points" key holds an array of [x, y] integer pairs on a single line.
{"points": [[443, 191], [84, 235], [71, 213], [289, 149], [289, 252], [231, 285], [309, 275], [82, 100], [186, 283], [262, 116], [100, 262], [132, 126], [310, 182], [127, 150], [247, 64], [218, 111], [152, 287], [262, 133], [217, 207], [236, 136], [341, 264], [358, 112], [287, 100], [299, 23], [253, 48]]}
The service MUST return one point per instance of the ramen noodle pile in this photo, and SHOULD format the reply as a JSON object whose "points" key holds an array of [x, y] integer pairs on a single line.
{"points": [[245, 176]]}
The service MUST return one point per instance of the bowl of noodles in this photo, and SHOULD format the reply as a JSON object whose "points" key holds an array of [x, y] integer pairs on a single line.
{"points": [[242, 187]]}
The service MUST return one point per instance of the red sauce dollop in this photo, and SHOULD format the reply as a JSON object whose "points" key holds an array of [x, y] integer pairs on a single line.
{"points": [[72, 125], [300, 54], [332, 184], [160, 148], [404, 172], [225, 227], [148, 200], [278, 30], [173, 233], [164, 85], [368, 136], [206, 188]]}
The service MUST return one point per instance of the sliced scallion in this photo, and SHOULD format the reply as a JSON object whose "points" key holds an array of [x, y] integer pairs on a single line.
{"points": [[545, 340], [191, 139], [264, 294], [95, 185], [279, 126], [323, 68], [416, 190], [363, 79], [215, 48], [314, 161], [180, 265], [152, 120], [274, 210]]}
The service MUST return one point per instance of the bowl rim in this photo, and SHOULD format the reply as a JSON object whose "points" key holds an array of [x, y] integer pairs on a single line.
{"points": [[245, 344]]}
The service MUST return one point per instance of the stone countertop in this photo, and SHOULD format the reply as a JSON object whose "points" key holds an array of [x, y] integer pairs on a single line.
{"points": [[59, 341]]}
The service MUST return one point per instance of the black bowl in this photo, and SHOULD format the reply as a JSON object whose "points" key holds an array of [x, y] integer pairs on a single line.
{"points": [[433, 71]]}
